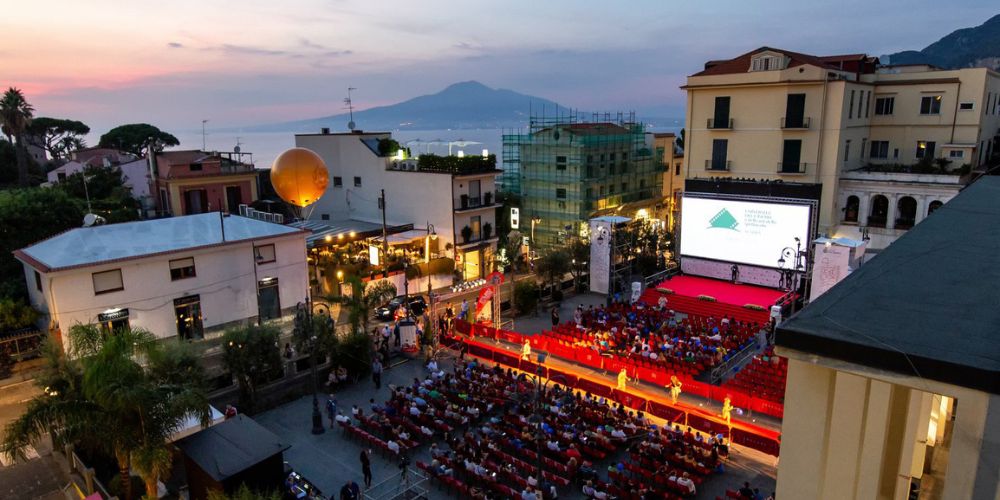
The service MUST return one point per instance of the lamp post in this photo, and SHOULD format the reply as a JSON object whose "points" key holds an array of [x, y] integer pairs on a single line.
{"points": [[304, 321], [791, 262], [431, 235]]}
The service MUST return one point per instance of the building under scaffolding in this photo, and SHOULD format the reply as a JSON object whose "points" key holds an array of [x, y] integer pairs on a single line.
{"points": [[568, 168]]}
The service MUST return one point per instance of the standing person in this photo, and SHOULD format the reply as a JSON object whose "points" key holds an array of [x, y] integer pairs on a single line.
{"points": [[331, 409], [377, 373], [366, 468], [555, 316], [395, 335], [464, 315]]}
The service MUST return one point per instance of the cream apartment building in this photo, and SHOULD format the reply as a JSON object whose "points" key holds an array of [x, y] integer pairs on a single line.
{"points": [[893, 389], [888, 144], [444, 199]]}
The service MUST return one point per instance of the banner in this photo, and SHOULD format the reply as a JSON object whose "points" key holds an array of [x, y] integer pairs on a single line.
{"points": [[485, 294]]}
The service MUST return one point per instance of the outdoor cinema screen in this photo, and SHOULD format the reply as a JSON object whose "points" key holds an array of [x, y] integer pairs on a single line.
{"points": [[744, 232]]}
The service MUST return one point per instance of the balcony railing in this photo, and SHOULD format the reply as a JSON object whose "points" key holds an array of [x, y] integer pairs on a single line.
{"points": [[720, 124], [465, 202], [720, 166], [905, 223], [792, 168], [795, 122], [876, 221]]}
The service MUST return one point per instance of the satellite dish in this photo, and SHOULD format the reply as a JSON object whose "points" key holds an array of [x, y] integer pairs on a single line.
{"points": [[350, 124], [90, 220]]}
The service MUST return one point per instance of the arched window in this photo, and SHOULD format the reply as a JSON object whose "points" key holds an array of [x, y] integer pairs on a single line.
{"points": [[906, 212], [936, 204], [851, 209], [879, 211]]}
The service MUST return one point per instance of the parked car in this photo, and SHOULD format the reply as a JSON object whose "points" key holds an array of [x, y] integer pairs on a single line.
{"points": [[386, 311]]}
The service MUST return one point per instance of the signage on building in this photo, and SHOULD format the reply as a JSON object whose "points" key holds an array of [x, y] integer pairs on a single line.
{"points": [[515, 217], [831, 264], [112, 315], [373, 255]]}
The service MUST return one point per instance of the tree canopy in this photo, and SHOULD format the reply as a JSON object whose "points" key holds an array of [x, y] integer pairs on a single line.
{"points": [[15, 117], [135, 137], [57, 136]]}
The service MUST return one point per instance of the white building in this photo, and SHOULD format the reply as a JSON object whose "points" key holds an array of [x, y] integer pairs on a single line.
{"points": [[447, 199], [177, 277]]}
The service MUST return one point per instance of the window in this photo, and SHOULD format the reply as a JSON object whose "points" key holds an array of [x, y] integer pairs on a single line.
{"points": [[925, 149], [38, 281], [108, 281], [324, 216], [590, 193], [264, 253], [884, 105], [611, 157], [879, 211], [357, 182], [677, 169], [590, 158], [561, 193], [879, 150], [624, 187], [560, 163], [602, 192], [476, 224], [720, 119], [795, 105], [720, 148], [847, 150], [611, 189], [906, 213], [851, 209], [195, 167], [182, 269], [956, 153], [791, 156], [861, 102], [850, 107], [930, 105], [338, 181], [868, 102], [966, 106], [113, 320], [767, 63], [934, 205]]}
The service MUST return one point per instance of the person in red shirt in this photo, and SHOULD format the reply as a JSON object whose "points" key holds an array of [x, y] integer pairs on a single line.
{"points": [[572, 452]]}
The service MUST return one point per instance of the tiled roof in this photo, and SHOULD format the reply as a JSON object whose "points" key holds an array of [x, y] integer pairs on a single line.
{"points": [[741, 64]]}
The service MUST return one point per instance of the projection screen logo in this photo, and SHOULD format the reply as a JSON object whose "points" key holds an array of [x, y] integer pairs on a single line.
{"points": [[724, 220]]}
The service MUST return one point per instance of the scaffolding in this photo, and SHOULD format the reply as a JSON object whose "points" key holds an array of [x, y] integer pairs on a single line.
{"points": [[566, 168]]}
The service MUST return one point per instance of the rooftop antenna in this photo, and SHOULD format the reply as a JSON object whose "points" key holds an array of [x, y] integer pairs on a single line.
{"points": [[203, 122], [237, 148], [350, 107]]}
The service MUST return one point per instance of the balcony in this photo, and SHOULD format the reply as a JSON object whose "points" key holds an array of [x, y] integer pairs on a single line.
{"points": [[795, 123], [718, 166], [905, 223], [876, 221], [793, 168], [714, 124], [466, 202]]}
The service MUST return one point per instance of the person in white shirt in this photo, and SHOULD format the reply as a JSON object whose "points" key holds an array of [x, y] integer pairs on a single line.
{"points": [[618, 433], [532, 481], [686, 482], [393, 446], [341, 418], [432, 366], [414, 410], [426, 430], [553, 445]]}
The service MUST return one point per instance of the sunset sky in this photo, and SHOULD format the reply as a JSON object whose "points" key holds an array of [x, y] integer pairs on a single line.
{"points": [[250, 62]]}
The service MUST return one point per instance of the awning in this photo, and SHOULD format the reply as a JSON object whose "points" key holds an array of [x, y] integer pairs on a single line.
{"points": [[406, 237], [339, 229]]}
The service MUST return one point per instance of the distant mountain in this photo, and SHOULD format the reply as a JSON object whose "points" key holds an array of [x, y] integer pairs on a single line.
{"points": [[461, 105], [964, 48]]}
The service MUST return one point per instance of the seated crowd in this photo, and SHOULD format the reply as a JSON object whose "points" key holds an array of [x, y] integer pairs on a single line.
{"points": [[764, 377], [654, 333], [496, 427]]}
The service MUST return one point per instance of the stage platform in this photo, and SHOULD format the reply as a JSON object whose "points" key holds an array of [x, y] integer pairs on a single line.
{"points": [[731, 299]]}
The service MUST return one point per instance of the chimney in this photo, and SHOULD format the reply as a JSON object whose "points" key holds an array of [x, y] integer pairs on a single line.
{"points": [[325, 130]]}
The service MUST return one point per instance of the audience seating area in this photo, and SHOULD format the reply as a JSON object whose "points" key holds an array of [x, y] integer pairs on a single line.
{"points": [[764, 377], [508, 433]]}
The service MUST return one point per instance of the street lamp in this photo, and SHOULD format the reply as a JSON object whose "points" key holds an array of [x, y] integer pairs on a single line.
{"points": [[431, 235], [304, 322], [791, 262]]}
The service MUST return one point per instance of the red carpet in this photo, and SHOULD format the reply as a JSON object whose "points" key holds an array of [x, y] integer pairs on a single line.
{"points": [[729, 298]]}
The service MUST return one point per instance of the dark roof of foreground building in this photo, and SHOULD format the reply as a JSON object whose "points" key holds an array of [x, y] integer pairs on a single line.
{"points": [[927, 306], [231, 447]]}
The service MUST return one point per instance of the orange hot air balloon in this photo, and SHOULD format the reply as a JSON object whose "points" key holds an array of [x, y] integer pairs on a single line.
{"points": [[299, 176]]}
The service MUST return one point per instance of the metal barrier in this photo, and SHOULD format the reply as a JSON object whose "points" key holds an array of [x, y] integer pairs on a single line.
{"points": [[656, 278], [22, 344]]}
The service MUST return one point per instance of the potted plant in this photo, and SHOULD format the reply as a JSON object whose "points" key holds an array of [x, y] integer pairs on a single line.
{"points": [[488, 198], [487, 230], [465, 201], [466, 232]]}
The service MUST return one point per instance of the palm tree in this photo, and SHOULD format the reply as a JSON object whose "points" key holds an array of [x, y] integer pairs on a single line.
{"points": [[15, 117], [363, 300], [124, 394]]}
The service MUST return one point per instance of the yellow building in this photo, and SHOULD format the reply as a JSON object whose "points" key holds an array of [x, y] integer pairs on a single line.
{"points": [[887, 144], [894, 373], [671, 161]]}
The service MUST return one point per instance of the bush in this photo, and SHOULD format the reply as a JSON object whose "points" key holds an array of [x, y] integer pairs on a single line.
{"points": [[252, 355], [526, 296], [15, 314]]}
